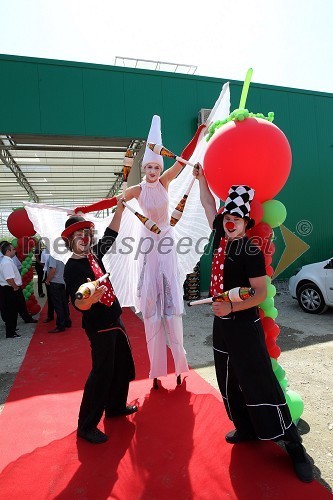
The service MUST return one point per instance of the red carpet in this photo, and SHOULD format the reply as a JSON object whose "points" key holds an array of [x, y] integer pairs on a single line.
{"points": [[173, 448]]}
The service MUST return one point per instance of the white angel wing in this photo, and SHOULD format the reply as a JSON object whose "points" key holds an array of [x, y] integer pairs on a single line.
{"points": [[49, 222], [192, 231]]}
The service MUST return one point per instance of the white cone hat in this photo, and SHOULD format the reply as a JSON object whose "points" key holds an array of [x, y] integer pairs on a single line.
{"points": [[154, 136]]}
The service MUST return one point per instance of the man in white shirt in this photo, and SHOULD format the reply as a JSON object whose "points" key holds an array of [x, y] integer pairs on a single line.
{"points": [[12, 299]]}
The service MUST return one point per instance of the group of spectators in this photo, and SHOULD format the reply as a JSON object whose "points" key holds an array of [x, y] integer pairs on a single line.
{"points": [[49, 271]]}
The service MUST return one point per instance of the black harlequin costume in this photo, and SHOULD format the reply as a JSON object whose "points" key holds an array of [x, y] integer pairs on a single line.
{"points": [[112, 364], [251, 393]]}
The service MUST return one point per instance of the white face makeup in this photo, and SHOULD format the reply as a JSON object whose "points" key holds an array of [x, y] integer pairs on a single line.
{"points": [[234, 226], [153, 172]]}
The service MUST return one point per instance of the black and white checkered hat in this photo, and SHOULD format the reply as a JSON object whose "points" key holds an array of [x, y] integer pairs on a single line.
{"points": [[238, 201]]}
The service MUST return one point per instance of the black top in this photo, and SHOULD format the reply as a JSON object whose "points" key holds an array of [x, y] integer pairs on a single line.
{"points": [[99, 316], [243, 261]]}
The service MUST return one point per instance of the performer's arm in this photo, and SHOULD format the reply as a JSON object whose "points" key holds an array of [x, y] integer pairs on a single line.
{"points": [[110, 234], [260, 286], [206, 197], [186, 154], [130, 193], [115, 223]]}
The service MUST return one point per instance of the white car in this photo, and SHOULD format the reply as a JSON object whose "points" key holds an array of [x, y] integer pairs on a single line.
{"points": [[312, 286]]}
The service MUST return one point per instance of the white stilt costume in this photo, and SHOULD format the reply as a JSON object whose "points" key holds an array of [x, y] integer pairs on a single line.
{"points": [[159, 291]]}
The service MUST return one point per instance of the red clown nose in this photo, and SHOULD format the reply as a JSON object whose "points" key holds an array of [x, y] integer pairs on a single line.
{"points": [[85, 240], [230, 225]]}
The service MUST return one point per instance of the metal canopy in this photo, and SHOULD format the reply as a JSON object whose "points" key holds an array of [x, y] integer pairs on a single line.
{"points": [[59, 170]]}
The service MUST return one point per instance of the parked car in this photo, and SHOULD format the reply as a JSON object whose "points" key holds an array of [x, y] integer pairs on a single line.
{"points": [[312, 286]]}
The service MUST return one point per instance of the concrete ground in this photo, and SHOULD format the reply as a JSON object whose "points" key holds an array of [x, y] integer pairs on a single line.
{"points": [[306, 342]]}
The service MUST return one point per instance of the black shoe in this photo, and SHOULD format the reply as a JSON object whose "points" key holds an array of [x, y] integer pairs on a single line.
{"points": [[234, 437], [14, 336], [155, 383], [56, 330], [128, 410], [32, 320], [179, 380], [302, 465], [47, 320], [94, 436], [42, 295]]}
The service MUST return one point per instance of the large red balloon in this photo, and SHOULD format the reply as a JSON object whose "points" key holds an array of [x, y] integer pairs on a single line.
{"points": [[19, 224], [253, 152]]}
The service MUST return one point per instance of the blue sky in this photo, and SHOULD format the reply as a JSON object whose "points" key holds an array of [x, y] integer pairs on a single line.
{"points": [[287, 42]]}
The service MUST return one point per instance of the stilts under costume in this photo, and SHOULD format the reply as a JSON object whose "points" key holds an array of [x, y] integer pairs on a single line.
{"points": [[252, 396], [112, 363]]}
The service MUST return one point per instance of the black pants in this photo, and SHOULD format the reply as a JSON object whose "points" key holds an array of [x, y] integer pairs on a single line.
{"points": [[252, 395], [60, 304], [9, 310], [108, 382], [50, 307], [12, 303], [40, 276]]}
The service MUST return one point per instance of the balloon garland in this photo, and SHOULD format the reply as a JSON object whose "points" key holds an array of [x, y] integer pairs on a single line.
{"points": [[20, 226], [247, 148]]}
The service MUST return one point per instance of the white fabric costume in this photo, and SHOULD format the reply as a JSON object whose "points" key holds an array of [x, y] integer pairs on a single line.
{"points": [[190, 236], [159, 291]]}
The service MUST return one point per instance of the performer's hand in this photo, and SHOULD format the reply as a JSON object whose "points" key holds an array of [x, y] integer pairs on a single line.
{"points": [[198, 171], [99, 292], [80, 210], [221, 308], [120, 206]]}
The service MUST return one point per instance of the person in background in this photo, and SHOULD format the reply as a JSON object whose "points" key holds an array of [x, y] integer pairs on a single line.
{"points": [[12, 300], [44, 259], [55, 280], [39, 269]]}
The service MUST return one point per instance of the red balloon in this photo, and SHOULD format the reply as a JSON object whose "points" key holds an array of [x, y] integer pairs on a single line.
{"points": [[274, 351], [34, 309], [19, 224], [257, 211], [267, 324], [268, 260], [253, 152], [269, 271], [263, 230], [274, 332]]}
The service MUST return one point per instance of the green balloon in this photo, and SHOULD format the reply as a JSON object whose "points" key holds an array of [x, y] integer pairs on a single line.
{"points": [[275, 364], [275, 213], [271, 291], [267, 304], [295, 404], [14, 242], [280, 373], [268, 280], [271, 313], [284, 384]]}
